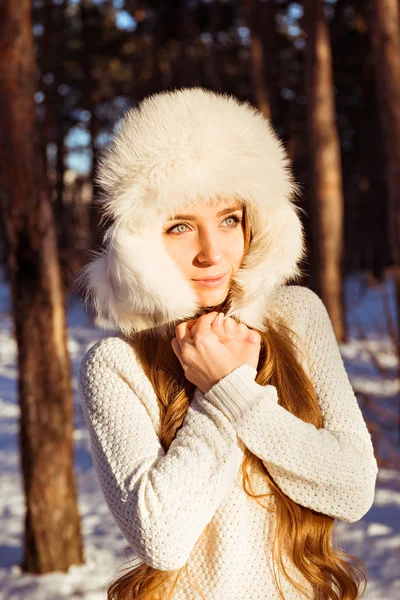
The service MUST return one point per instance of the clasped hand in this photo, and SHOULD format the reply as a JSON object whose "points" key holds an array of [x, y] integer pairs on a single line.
{"points": [[209, 350]]}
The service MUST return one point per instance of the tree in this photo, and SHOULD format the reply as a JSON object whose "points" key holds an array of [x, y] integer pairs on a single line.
{"points": [[90, 98], [386, 53], [260, 17], [326, 172], [52, 526]]}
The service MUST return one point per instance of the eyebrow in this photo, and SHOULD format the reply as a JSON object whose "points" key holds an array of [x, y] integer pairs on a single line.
{"points": [[193, 217]]}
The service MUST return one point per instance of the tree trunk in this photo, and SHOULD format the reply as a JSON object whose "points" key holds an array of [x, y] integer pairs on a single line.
{"points": [[186, 70], [326, 174], [260, 18], [90, 101], [52, 526], [386, 54], [212, 60], [52, 61], [372, 184]]}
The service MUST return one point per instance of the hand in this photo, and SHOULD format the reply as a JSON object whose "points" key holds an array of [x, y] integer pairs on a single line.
{"points": [[208, 351]]}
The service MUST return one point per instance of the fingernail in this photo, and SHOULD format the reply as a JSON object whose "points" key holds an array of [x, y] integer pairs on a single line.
{"points": [[220, 318]]}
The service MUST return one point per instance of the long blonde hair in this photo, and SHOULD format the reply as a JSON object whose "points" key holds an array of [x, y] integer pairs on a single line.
{"points": [[301, 534]]}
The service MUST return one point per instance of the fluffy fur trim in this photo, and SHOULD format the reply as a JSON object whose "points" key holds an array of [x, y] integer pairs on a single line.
{"points": [[190, 146]]}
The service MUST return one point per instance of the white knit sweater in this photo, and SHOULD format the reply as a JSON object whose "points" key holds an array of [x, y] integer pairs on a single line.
{"points": [[163, 501]]}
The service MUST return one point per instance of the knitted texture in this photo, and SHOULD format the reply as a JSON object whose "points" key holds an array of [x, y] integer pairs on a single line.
{"points": [[162, 501]]}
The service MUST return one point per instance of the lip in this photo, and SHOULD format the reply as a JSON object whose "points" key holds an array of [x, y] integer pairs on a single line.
{"points": [[216, 281]]}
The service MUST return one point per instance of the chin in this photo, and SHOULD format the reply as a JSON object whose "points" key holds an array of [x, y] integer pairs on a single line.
{"points": [[209, 300]]}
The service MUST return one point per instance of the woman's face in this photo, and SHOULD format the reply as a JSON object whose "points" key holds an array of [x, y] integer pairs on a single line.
{"points": [[204, 242]]}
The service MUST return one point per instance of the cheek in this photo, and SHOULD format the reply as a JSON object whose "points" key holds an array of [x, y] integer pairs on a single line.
{"points": [[176, 254], [239, 247], [182, 255]]}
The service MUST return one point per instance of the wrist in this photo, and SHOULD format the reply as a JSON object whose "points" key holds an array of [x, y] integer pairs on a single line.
{"points": [[237, 393], [246, 367]]}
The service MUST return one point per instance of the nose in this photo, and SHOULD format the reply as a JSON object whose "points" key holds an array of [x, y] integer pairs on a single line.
{"points": [[210, 249]]}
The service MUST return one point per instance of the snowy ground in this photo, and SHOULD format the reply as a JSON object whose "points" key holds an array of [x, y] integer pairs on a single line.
{"points": [[371, 363]]}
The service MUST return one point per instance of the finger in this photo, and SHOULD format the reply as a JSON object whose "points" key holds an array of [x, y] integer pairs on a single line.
{"points": [[254, 337], [243, 329], [177, 348], [192, 326], [203, 324], [183, 330], [235, 330], [191, 322], [180, 330], [218, 326], [218, 321], [230, 325]]}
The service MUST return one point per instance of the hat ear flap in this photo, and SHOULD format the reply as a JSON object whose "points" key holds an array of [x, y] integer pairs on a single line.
{"points": [[135, 279], [272, 259], [286, 244], [94, 279]]}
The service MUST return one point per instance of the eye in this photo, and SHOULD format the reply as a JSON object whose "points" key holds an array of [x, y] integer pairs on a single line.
{"points": [[171, 229], [236, 221]]}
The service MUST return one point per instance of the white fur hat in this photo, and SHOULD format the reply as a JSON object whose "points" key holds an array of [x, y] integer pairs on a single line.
{"points": [[190, 146]]}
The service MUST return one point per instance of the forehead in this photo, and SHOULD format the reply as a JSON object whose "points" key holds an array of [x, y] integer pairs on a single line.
{"points": [[193, 211]]}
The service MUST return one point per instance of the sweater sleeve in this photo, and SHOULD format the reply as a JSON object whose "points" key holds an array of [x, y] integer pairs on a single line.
{"points": [[330, 470], [161, 501]]}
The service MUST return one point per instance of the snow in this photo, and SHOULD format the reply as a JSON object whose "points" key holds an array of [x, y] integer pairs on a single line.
{"points": [[371, 362]]}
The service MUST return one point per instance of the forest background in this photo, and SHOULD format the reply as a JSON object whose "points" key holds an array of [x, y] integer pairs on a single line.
{"points": [[327, 75]]}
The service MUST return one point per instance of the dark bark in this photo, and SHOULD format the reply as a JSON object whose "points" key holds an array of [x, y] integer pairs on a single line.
{"points": [[53, 49], [325, 169], [212, 59], [386, 54], [52, 527], [260, 17], [90, 101]]}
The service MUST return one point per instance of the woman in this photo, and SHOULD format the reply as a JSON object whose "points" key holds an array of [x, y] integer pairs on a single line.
{"points": [[225, 449]]}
